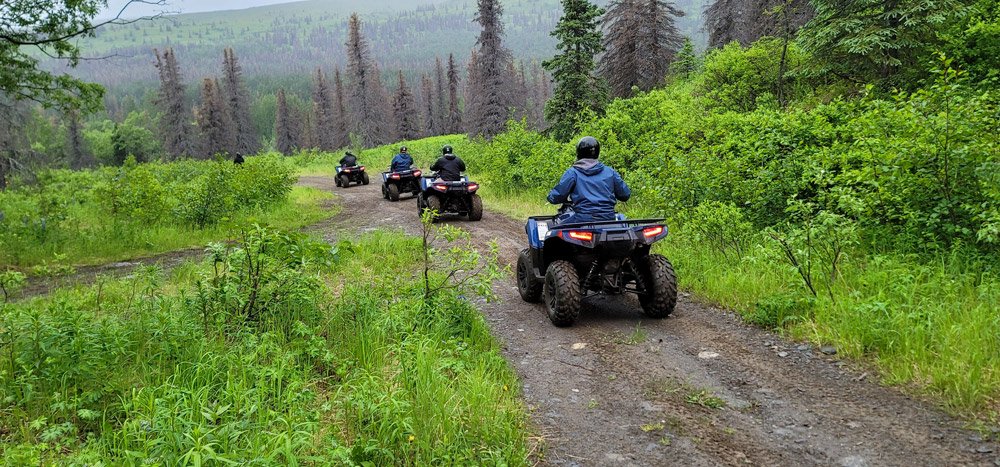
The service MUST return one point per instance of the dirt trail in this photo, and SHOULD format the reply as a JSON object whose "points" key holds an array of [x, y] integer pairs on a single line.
{"points": [[618, 389]]}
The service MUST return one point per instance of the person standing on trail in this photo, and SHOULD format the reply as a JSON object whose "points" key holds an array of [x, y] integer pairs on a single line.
{"points": [[349, 160], [449, 167], [591, 187], [402, 161]]}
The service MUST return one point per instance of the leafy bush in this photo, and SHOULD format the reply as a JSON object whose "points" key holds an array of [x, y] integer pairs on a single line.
{"points": [[740, 79]]}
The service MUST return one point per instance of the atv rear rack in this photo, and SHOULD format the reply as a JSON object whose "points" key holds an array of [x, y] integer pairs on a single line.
{"points": [[579, 225]]}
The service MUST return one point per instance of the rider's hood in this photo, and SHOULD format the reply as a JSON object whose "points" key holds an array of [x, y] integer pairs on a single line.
{"points": [[589, 166]]}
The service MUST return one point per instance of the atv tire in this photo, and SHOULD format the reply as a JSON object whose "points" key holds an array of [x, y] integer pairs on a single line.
{"points": [[475, 208], [385, 192], [364, 179], [433, 203], [527, 284], [563, 295], [660, 283], [393, 193], [345, 181]]}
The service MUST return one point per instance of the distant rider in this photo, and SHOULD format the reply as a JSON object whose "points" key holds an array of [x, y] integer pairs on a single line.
{"points": [[349, 160], [238, 160], [449, 167], [592, 187], [402, 162]]}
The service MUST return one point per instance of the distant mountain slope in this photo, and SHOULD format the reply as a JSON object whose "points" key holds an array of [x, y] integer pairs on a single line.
{"points": [[293, 39]]}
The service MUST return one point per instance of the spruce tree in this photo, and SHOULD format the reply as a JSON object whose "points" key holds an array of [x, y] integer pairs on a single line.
{"points": [[440, 97], [746, 21], [640, 42], [286, 132], [323, 113], [431, 123], [237, 101], [577, 87], [175, 118], [368, 103], [341, 138], [453, 124], [213, 121], [865, 40], [405, 111], [492, 86], [76, 148]]}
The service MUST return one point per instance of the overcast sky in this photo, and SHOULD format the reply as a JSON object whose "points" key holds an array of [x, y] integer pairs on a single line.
{"points": [[183, 6]]}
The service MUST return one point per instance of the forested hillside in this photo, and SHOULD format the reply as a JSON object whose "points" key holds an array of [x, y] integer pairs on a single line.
{"points": [[290, 40]]}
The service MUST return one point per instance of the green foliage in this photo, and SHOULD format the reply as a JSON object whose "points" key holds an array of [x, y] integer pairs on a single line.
{"points": [[976, 43], [740, 79], [250, 356], [132, 138], [50, 27]]}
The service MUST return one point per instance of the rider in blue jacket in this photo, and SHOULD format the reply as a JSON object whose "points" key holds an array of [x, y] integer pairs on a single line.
{"points": [[592, 187], [402, 161]]}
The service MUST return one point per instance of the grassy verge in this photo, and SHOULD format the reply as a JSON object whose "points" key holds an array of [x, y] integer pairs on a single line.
{"points": [[331, 358], [102, 243]]}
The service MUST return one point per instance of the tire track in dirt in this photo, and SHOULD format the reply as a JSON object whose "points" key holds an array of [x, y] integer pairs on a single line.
{"points": [[619, 389]]}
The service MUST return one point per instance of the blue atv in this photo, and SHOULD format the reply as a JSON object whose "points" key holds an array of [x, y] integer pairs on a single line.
{"points": [[455, 198], [396, 183], [566, 262]]}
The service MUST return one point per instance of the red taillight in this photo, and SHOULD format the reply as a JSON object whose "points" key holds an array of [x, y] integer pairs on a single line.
{"points": [[441, 187], [346, 171], [649, 232], [582, 236], [361, 168], [416, 173], [473, 186], [394, 176]]}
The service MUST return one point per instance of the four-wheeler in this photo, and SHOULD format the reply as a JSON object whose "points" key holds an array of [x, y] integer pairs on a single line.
{"points": [[565, 262], [394, 183], [456, 198], [356, 174]]}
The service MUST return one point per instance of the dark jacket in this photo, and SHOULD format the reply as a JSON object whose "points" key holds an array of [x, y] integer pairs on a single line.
{"points": [[348, 161], [401, 162], [449, 168], [593, 189]]}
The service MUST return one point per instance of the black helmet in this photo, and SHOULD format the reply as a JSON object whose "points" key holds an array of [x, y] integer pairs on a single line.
{"points": [[447, 149], [588, 148], [404, 149]]}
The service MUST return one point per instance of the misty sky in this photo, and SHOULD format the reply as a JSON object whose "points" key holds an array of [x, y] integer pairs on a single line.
{"points": [[184, 6]]}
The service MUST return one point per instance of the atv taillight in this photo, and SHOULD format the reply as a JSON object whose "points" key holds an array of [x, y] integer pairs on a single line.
{"points": [[346, 171], [650, 232], [473, 186], [394, 176], [416, 173], [582, 236], [441, 187], [361, 168]]}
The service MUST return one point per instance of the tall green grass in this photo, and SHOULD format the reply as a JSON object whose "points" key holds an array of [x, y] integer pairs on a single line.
{"points": [[110, 214], [344, 364]]}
